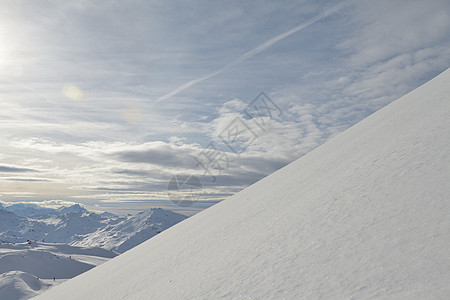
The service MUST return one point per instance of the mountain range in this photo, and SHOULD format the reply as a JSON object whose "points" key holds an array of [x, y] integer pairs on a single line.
{"points": [[76, 226]]}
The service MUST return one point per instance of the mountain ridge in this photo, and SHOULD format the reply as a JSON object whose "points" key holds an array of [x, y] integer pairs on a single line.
{"points": [[77, 226]]}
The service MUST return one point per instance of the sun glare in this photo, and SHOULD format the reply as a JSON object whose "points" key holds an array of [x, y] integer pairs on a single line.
{"points": [[73, 92]]}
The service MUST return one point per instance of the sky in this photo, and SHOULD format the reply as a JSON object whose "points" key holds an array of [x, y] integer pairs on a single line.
{"points": [[128, 105]]}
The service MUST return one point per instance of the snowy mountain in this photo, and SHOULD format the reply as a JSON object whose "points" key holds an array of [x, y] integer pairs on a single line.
{"points": [[123, 234], [365, 215], [76, 208], [75, 225], [29, 269], [28, 209]]}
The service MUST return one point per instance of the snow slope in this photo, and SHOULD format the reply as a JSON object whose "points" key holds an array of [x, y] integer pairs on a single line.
{"points": [[365, 215], [28, 269]]}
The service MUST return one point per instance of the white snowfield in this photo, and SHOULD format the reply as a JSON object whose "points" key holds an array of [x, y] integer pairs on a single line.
{"points": [[366, 215]]}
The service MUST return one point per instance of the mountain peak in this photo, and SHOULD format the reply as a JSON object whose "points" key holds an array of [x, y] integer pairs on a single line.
{"points": [[76, 208]]}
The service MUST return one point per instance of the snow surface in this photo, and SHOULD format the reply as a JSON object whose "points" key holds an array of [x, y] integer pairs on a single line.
{"points": [[365, 215], [29, 269]]}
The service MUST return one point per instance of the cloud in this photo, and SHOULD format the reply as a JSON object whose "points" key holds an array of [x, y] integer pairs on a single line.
{"points": [[160, 154], [396, 46], [387, 29], [29, 179], [255, 50], [11, 169], [55, 204], [132, 172]]}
